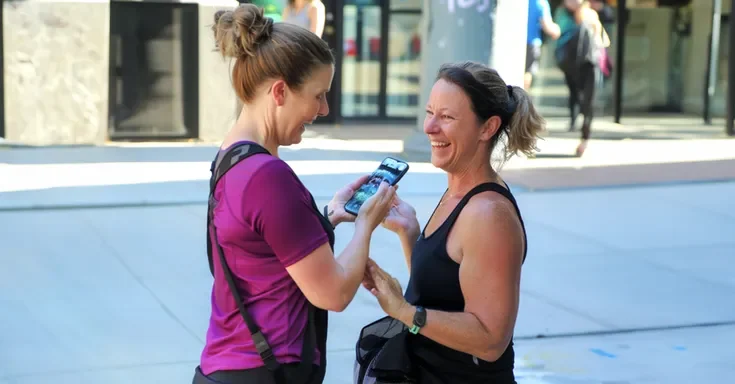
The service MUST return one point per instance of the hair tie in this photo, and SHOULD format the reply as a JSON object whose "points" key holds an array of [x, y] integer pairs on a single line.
{"points": [[511, 101]]}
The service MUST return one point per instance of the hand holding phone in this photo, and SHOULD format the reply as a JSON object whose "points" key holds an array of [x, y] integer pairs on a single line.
{"points": [[376, 207], [390, 170]]}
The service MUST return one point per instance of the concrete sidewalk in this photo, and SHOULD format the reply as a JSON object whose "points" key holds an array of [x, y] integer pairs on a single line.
{"points": [[120, 295], [630, 284], [176, 173]]}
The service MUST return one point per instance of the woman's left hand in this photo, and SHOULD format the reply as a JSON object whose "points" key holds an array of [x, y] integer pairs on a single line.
{"points": [[336, 208], [385, 288]]}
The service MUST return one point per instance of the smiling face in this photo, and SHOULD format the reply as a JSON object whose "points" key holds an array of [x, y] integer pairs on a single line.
{"points": [[298, 108], [456, 134]]}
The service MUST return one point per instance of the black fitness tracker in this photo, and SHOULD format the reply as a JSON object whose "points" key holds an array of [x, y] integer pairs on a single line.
{"points": [[419, 320]]}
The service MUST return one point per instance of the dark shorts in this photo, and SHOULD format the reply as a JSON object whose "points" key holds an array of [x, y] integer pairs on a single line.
{"points": [[533, 53]]}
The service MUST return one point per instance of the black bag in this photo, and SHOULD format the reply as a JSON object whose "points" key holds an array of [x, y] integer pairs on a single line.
{"points": [[220, 166], [382, 354]]}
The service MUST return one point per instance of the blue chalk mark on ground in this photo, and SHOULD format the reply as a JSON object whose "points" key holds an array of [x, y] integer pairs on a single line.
{"points": [[602, 353]]}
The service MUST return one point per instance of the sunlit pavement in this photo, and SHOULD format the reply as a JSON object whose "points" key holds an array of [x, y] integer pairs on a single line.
{"points": [[627, 285]]}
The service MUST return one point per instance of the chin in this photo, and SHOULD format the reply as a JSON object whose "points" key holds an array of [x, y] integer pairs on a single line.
{"points": [[438, 162]]}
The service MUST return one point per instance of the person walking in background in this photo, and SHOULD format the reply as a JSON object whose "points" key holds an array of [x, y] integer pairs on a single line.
{"points": [[309, 14], [271, 249], [579, 51], [539, 23]]}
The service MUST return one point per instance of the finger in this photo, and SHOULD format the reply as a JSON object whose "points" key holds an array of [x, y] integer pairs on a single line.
{"points": [[360, 181], [390, 195], [382, 189], [380, 277]]}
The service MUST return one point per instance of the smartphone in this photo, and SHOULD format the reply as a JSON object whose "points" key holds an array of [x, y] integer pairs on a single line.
{"points": [[390, 170]]}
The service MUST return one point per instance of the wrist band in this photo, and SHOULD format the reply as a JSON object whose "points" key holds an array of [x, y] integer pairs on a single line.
{"points": [[326, 215]]}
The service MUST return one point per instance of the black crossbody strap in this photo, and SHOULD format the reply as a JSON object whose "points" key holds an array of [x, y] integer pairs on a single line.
{"points": [[219, 167]]}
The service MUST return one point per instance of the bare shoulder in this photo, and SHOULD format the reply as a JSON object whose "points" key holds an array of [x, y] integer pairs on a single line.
{"points": [[490, 220], [489, 208]]}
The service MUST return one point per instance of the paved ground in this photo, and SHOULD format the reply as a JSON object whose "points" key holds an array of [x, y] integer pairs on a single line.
{"points": [[626, 285]]}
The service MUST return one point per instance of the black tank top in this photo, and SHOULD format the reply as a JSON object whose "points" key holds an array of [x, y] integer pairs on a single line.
{"points": [[434, 283]]}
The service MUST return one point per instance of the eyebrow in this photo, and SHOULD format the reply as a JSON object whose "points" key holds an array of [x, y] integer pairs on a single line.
{"points": [[441, 109]]}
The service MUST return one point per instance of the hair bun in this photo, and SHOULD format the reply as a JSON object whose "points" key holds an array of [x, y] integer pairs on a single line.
{"points": [[238, 32]]}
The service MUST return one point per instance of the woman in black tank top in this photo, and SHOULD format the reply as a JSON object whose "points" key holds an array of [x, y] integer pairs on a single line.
{"points": [[455, 322]]}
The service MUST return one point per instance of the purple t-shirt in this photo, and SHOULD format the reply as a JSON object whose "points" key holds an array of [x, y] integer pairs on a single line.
{"points": [[265, 222]]}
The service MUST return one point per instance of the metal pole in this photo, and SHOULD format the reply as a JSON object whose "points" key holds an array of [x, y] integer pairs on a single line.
{"points": [[714, 54], [619, 57], [730, 124]]}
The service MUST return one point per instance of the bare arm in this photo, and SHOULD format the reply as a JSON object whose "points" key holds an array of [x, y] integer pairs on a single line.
{"points": [[492, 252], [294, 233], [408, 240], [331, 283], [550, 28], [317, 16]]}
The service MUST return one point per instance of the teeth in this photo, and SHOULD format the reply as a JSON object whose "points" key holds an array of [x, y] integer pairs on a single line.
{"points": [[438, 144]]}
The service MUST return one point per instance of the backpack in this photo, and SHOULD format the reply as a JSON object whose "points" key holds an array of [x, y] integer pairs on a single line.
{"points": [[580, 50]]}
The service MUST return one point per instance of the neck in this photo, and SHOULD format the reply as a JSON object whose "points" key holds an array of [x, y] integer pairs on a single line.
{"points": [[461, 182], [251, 128]]}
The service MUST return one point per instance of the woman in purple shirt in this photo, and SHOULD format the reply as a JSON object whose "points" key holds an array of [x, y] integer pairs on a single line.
{"points": [[275, 244]]}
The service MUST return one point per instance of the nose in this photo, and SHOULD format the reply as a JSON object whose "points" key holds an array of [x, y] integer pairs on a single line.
{"points": [[430, 124], [324, 107]]}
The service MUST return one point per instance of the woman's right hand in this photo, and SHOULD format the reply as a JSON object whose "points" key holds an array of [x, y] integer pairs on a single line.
{"points": [[374, 210], [402, 218]]}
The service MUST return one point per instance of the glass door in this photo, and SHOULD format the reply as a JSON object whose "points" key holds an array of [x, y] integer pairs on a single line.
{"points": [[404, 58], [361, 58]]}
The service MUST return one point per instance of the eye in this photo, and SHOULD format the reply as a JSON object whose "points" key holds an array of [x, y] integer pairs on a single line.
{"points": [[447, 117], [428, 112]]}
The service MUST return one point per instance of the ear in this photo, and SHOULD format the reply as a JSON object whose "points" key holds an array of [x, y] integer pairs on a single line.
{"points": [[490, 127], [278, 90]]}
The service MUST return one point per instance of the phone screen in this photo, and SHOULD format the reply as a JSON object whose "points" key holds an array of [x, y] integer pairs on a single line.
{"points": [[390, 170]]}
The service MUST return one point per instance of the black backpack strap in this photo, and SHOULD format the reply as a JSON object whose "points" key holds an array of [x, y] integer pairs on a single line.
{"points": [[220, 165], [219, 168]]}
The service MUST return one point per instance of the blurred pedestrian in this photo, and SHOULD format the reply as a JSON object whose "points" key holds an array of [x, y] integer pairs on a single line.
{"points": [[579, 54], [540, 23], [309, 14]]}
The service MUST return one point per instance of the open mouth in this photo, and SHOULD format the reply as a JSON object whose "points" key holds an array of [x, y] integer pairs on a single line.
{"points": [[439, 144]]}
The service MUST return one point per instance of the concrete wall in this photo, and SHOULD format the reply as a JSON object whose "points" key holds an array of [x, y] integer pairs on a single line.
{"points": [[217, 99], [55, 71]]}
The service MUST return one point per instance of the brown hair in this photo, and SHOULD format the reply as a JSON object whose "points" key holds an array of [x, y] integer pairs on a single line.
{"points": [[490, 96], [264, 50]]}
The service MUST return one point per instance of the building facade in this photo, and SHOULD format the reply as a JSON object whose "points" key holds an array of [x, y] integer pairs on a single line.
{"points": [[146, 70]]}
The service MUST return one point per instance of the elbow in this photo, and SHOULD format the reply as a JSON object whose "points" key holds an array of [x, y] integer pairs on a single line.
{"points": [[556, 33], [493, 350], [335, 300], [332, 304], [491, 354]]}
